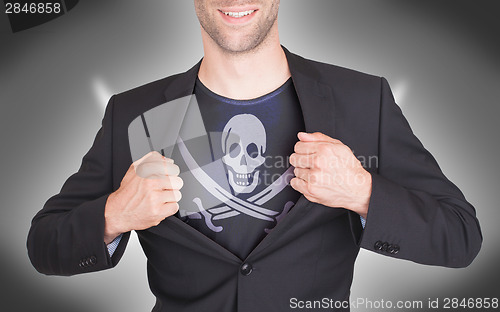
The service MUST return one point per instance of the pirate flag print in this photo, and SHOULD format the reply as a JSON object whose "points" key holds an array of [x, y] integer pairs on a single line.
{"points": [[220, 188]]}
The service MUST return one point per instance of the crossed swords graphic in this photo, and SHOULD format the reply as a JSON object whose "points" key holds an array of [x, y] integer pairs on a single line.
{"points": [[234, 205]]}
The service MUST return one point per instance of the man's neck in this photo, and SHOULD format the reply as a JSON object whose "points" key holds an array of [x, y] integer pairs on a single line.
{"points": [[246, 75]]}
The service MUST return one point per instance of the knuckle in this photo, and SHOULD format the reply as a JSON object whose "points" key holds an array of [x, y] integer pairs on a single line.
{"points": [[177, 195], [148, 184], [162, 212], [314, 174], [317, 161], [154, 157], [139, 170], [177, 169], [155, 210], [158, 197], [302, 162], [313, 178], [311, 190], [322, 149], [158, 219], [165, 197], [297, 184], [172, 169], [311, 198], [325, 162], [146, 170], [345, 150], [167, 183], [296, 147], [143, 166], [177, 182], [170, 196], [132, 169], [168, 160], [337, 142], [172, 208], [325, 149]]}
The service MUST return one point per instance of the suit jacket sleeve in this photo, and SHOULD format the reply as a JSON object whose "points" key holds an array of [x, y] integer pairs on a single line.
{"points": [[414, 209], [67, 236]]}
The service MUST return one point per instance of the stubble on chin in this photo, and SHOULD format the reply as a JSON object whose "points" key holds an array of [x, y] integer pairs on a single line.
{"points": [[242, 45]]}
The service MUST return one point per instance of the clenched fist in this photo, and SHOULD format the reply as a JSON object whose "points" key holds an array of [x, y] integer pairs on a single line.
{"points": [[148, 194], [328, 173]]}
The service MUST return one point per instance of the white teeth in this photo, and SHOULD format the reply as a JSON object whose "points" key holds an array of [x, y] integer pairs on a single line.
{"points": [[239, 14], [243, 176]]}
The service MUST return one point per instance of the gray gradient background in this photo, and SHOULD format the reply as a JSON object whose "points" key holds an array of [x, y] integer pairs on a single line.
{"points": [[441, 58]]}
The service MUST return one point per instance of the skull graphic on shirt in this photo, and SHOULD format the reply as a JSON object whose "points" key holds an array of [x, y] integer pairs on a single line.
{"points": [[243, 145]]}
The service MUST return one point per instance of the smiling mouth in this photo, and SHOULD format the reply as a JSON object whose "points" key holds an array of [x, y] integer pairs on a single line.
{"points": [[238, 14]]}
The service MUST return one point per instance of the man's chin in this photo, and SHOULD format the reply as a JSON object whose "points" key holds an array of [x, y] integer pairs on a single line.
{"points": [[239, 46]]}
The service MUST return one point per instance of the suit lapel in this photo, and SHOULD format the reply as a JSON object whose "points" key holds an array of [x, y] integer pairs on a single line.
{"points": [[158, 128], [315, 97], [183, 85]]}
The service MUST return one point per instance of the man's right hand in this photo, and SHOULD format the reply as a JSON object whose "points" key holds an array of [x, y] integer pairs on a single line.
{"points": [[148, 194]]}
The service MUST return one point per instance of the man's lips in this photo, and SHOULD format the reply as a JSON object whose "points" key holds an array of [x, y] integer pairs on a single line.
{"points": [[237, 16]]}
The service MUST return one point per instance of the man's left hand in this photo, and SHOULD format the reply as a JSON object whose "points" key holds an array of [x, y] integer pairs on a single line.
{"points": [[328, 173]]}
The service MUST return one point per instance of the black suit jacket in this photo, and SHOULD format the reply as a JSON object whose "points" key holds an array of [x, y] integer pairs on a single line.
{"points": [[415, 212]]}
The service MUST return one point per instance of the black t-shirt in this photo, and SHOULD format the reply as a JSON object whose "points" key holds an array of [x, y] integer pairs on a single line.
{"points": [[237, 204]]}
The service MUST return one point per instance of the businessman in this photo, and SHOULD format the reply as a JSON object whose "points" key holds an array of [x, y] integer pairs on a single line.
{"points": [[270, 198]]}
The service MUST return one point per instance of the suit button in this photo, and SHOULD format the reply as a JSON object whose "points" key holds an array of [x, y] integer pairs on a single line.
{"points": [[93, 260], [246, 269], [396, 249], [384, 246], [390, 249], [378, 245]]}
